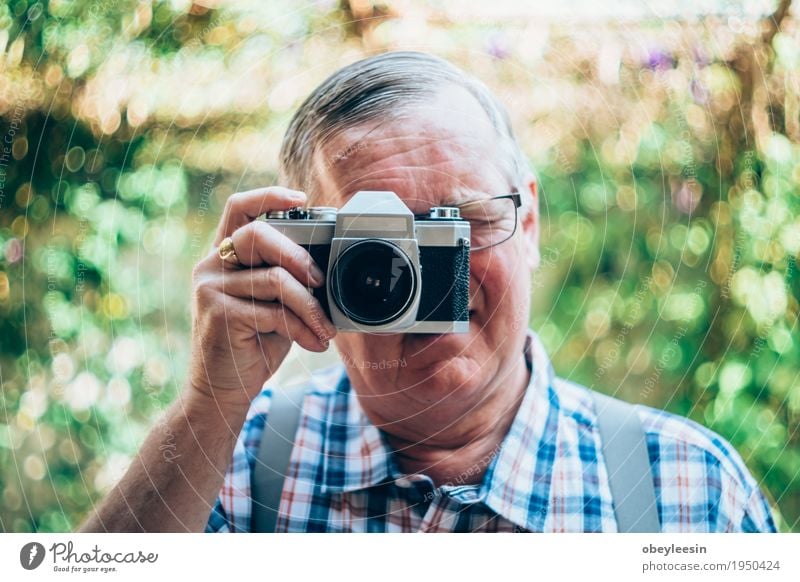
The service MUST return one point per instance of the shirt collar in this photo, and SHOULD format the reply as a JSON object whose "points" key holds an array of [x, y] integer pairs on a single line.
{"points": [[516, 484]]}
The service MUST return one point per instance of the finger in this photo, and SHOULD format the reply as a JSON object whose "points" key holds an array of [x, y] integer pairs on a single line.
{"points": [[244, 207], [259, 244], [277, 284], [267, 318]]}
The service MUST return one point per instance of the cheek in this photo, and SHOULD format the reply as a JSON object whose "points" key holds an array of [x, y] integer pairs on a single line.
{"points": [[502, 284]]}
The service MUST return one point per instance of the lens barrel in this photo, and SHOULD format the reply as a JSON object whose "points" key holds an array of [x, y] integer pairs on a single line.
{"points": [[373, 282]]}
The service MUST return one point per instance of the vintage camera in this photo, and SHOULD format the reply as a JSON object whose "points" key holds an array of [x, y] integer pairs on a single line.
{"points": [[386, 271]]}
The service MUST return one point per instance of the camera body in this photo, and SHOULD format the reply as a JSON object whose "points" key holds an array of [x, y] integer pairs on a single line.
{"points": [[386, 271]]}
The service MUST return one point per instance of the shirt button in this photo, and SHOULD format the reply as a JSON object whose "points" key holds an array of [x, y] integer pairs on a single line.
{"points": [[408, 480], [402, 482]]}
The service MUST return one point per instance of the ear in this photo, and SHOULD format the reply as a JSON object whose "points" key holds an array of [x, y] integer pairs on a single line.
{"points": [[529, 222]]}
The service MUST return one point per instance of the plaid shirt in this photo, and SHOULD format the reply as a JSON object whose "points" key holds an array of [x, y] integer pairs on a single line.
{"points": [[548, 474]]}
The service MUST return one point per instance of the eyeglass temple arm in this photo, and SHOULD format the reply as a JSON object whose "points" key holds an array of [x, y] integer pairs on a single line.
{"points": [[514, 196]]}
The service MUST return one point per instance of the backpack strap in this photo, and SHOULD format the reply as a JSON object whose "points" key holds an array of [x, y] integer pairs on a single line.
{"points": [[629, 474], [274, 452]]}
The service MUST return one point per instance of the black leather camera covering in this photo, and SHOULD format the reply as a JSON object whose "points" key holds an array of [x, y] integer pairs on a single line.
{"points": [[445, 284]]}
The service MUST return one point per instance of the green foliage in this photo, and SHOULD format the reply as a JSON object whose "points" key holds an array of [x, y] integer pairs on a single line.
{"points": [[669, 195]]}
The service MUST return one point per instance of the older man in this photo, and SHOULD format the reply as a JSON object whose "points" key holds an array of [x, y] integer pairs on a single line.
{"points": [[472, 431]]}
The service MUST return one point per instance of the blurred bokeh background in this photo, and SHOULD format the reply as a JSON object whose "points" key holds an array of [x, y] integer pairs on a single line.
{"points": [[666, 138]]}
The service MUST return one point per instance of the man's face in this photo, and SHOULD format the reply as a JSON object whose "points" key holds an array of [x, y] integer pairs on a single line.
{"points": [[441, 153]]}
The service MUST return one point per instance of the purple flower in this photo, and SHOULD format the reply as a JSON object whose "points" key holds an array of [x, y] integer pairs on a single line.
{"points": [[659, 60], [497, 46]]}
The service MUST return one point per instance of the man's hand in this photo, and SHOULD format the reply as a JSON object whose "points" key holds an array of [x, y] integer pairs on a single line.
{"points": [[246, 316]]}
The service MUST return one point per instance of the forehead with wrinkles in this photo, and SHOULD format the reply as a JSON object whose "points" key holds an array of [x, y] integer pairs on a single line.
{"points": [[441, 152]]}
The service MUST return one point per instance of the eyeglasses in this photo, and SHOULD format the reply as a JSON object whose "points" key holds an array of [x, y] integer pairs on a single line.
{"points": [[491, 221]]}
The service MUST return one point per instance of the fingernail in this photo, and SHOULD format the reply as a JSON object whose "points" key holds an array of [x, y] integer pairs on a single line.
{"points": [[316, 274], [329, 333]]}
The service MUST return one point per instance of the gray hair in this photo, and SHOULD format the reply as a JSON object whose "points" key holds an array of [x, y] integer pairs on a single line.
{"points": [[382, 87]]}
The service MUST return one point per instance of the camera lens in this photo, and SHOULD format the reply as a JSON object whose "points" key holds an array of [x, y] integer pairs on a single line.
{"points": [[373, 282]]}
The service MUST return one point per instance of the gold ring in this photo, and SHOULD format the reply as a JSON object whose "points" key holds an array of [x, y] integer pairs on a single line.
{"points": [[226, 251]]}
